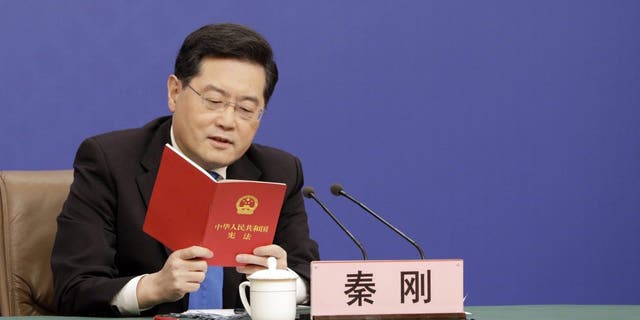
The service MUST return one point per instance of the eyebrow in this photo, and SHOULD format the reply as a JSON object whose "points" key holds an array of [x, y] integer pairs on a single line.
{"points": [[211, 87]]}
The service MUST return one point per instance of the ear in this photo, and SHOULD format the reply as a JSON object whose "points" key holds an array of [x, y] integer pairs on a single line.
{"points": [[174, 88]]}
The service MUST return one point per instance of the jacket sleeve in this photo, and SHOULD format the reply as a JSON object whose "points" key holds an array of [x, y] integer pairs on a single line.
{"points": [[83, 257], [292, 233]]}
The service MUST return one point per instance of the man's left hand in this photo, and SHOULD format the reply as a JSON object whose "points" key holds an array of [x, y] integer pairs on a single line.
{"points": [[258, 260]]}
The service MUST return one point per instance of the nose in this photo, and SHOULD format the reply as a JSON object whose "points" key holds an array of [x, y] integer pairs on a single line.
{"points": [[226, 117]]}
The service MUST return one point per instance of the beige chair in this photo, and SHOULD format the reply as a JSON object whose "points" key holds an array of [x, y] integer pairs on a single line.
{"points": [[30, 201]]}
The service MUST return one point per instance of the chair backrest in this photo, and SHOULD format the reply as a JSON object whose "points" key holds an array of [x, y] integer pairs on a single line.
{"points": [[30, 202]]}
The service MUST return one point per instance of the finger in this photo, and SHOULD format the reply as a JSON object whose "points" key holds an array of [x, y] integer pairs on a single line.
{"points": [[178, 264], [188, 287], [192, 287], [194, 252], [251, 259], [272, 250], [196, 265], [190, 276], [275, 251], [249, 269], [196, 277]]}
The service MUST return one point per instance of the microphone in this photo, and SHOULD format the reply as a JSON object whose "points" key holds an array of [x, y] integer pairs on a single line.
{"points": [[308, 192], [338, 190]]}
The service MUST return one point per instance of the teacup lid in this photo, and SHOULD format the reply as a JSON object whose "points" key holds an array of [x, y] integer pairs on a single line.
{"points": [[272, 273]]}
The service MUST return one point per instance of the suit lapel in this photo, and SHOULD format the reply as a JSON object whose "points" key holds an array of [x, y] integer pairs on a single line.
{"points": [[151, 161], [244, 169]]}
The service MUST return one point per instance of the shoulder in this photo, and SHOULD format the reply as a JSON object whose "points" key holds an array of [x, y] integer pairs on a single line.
{"points": [[270, 156], [122, 146], [274, 163], [261, 151], [133, 136]]}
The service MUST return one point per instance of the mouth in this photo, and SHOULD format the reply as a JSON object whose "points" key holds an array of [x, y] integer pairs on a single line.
{"points": [[220, 140]]}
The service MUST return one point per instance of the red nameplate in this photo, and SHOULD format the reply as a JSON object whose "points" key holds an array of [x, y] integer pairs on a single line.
{"points": [[375, 288], [188, 207]]}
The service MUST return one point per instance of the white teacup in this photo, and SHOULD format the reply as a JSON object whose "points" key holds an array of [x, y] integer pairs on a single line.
{"points": [[272, 292]]}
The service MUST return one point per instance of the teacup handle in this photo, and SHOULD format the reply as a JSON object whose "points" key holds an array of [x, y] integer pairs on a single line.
{"points": [[243, 296]]}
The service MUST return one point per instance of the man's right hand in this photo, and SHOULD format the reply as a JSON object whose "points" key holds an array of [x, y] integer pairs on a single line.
{"points": [[182, 273]]}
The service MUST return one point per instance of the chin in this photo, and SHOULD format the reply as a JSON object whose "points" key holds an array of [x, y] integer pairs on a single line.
{"points": [[220, 162]]}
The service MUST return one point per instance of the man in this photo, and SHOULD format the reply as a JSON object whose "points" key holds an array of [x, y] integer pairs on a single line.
{"points": [[102, 261]]}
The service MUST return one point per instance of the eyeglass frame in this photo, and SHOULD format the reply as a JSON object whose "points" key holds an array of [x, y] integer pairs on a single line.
{"points": [[207, 103]]}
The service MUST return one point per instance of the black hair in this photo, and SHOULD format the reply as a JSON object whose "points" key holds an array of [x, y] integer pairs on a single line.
{"points": [[226, 40]]}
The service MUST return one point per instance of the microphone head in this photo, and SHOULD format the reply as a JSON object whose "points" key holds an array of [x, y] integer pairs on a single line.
{"points": [[308, 191], [336, 189]]}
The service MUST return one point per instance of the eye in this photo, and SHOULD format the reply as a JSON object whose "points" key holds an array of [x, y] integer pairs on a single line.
{"points": [[246, 109], [212, 104], [214, 101]]}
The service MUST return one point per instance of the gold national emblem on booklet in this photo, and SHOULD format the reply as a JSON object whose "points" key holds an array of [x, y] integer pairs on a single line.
{"points": [[246, 204]]}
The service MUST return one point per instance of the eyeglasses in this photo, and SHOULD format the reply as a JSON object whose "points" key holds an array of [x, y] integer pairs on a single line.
{"points": [[244, 112]]}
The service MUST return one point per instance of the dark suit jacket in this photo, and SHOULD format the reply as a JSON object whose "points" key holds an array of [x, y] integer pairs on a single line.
{"points": [[100, 244]]}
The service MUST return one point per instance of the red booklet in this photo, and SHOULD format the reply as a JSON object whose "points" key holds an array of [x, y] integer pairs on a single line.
{"points": [[188, 207]]}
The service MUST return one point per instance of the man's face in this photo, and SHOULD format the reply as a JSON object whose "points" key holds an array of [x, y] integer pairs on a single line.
{"points": [[217, 138]]}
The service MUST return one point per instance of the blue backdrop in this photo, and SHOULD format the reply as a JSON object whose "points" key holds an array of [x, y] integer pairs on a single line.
{"points": [[501, 132]]}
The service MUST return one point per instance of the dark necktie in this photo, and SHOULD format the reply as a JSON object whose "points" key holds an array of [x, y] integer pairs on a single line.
{"points": [[209, 296]]}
